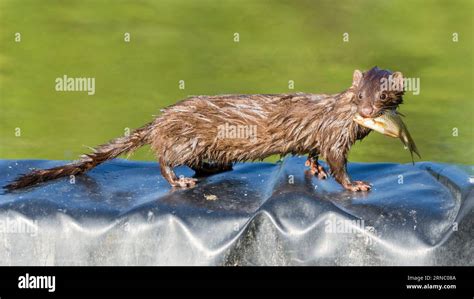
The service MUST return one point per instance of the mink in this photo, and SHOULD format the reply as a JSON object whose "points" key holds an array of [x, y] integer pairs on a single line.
{"points": [[188, 132]]}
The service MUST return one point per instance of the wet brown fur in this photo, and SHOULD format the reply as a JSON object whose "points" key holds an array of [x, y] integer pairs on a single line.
{"points": [[186, 133]]}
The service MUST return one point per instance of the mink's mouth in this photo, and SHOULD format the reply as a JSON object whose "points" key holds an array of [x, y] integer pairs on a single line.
{"points": [[371, 116], [380, 112]]}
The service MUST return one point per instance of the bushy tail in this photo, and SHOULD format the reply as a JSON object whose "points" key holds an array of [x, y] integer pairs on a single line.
{"points": [[102, 153]]}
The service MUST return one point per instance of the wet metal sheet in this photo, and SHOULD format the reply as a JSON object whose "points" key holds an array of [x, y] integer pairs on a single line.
{"points": [[125, 213]]}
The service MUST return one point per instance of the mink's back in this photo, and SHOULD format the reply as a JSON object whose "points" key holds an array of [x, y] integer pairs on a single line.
{"points": [[207, 127]]}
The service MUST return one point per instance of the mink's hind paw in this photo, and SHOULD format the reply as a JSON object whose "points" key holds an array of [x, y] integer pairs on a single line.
{"points": [[358, 186], [316, 169]]}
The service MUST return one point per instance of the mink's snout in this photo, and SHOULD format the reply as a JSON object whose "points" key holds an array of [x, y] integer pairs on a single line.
{"points": [[366, 111]]}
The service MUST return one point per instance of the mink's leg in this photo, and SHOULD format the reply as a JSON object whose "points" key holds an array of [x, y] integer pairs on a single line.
{"points": [[205, 168], [168, 173], [337, 164], [315, 167]]}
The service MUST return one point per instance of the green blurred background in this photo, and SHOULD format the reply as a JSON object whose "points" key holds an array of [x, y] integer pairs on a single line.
{"points": [[194, 41]]}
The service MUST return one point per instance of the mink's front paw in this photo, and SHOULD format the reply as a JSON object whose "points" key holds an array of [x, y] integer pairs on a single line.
{"points": [[185, 182], [358, 186]]}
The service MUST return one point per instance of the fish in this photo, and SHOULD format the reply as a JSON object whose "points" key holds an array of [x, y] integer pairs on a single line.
{"points": [[391, 124]]}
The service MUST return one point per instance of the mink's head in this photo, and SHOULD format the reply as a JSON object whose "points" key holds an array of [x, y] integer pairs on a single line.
{"points": [[377, 90]]}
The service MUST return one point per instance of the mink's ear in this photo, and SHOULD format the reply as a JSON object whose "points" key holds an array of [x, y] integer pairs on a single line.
{"points": [[356, 78], [397, 79]]}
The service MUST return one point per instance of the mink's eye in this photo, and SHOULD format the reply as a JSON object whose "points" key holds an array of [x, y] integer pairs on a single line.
{"points": [[383, 96], [360, 96]]}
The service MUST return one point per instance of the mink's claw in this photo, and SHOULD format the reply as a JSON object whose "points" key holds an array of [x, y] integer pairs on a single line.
{"points": [[185, 182], [316, 169], [358, 186]]}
